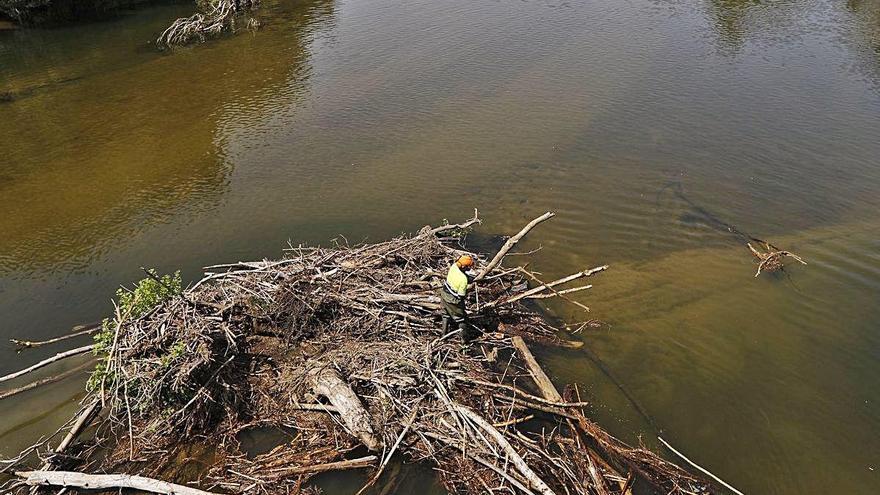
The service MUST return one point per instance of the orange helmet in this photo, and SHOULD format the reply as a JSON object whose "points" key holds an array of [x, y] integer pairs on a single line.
{"points": [[466, 261]]}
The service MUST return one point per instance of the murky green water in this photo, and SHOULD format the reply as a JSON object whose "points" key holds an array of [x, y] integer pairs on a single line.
{"points": [[374, 117]]}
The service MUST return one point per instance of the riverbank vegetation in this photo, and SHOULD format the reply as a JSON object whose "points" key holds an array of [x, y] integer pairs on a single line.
{"points": [[32, 12], [212, 18], [341, 351]]}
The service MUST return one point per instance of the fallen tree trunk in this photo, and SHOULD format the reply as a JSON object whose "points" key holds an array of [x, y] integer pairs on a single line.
{"points": [[548, 390], [106, 481], [327, 382]]}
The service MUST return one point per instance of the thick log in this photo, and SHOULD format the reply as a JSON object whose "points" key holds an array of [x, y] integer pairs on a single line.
{"points": [[327, 382], [510, 243], [48, 361], [548, 390], [106, 481]]}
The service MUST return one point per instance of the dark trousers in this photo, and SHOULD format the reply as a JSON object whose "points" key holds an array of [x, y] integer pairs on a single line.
{"points": [[454, 309]]}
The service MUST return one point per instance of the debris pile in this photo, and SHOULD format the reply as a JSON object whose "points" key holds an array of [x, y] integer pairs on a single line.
{"points": [[341, 348]]}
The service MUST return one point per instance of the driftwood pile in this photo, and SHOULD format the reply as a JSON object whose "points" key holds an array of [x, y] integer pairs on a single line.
{"points": [[341, 349]]}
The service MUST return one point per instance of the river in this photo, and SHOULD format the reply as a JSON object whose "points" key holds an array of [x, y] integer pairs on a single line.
{"points": [[636, 121]]}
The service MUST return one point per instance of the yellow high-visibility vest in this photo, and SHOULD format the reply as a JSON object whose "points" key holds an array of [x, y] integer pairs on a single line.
{"points": [[456, 281]]}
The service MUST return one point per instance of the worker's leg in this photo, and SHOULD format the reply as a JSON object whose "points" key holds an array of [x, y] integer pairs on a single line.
{"points": [[454, 309], [468, 331], [450, 309]]}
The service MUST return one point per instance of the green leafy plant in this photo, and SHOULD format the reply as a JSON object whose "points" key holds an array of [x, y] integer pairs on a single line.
{"points": [[130, 305]]}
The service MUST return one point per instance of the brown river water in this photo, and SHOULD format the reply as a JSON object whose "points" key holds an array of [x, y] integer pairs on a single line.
{"points": [[642, 123]]}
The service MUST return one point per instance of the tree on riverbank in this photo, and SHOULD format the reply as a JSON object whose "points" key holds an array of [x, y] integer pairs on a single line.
{"points": [[213, 17], [30, 12]]}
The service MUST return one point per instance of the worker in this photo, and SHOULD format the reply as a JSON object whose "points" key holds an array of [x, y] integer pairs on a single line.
{"points": [[454, 297]]}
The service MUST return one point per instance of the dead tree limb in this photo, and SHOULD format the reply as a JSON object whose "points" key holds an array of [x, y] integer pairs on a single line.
{"points": [[460, 226], [701, 468], [82, 422], [510, 243], [542, 287], [771, 260], [87, 330], [533, 479], [359, 463], [48, 361], [106, 481], [45, 381]]}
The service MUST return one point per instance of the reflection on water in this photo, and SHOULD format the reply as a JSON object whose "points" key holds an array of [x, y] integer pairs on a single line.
{"points": [[369, 118], [108, 155], [854, 26], [105, 141]]}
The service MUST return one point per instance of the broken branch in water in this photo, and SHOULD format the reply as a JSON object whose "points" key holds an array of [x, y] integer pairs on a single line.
{"points": [[768, 261], [48, 361], [459, 226], [46, 381], [771, 259], [701, 468], [78, 331]]}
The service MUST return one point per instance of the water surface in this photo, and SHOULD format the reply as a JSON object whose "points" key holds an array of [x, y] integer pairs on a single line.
{"points": [[631, 120]]}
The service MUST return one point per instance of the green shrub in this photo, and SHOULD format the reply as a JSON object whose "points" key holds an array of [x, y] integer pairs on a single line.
{"points": [[132, 304]]}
